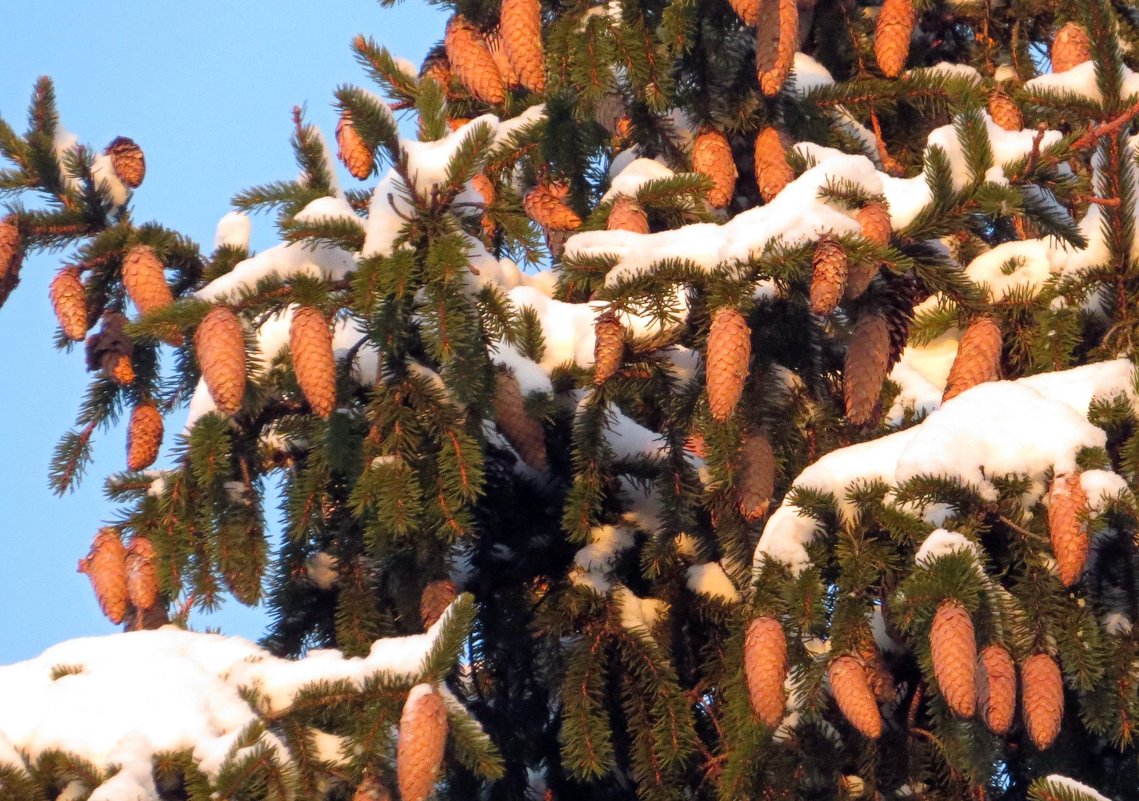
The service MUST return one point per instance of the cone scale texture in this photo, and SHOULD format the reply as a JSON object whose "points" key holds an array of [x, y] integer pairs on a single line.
{"points": [[1070, 48], [422, 737], [436, 597], [777, 39], [471, 61], [144, 436], [105, 566], [765, 669], [852, 693], [11, 250], [220, 342], [70, 303], [978, 358], [828, 280], [127, 161], [712, 156], [892, 36], [996, 688], [310, 343], [145, 281], [351, 149], [867, 363], [142, 573], [1043, 699], [608, 347], [1005, 111], [874, 219], [627, 215], [747, 10], [726, 361], [755, 480], [954, 651], [520, 28], [772, 172], [522, 431], [1067, 528], [546, 205]]}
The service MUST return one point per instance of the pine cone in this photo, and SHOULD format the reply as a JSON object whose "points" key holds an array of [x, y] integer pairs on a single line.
{"points": [[867, 360], [313, 361], [220, 342], [755, 480], [1043, 698], [11, 256], [352, 150], [1067, 526], [422, 737], [627, 215], [1070, 48], [110, 350], [954, 651], [777, 39], [471, 61], [772, 172], [497, 50], [899, 313], [1005, 111], [127, 160], [142, 573], [70, 303], [747, 10], [145, 281], [608, 347], [546, 205], [483, 185], [851, 691], [437, 596], [874, 219], [105, 566], [144, 436], [118, 368], [878, 676], [712, 156], [978, 358], [435, 67], [765, 669], [828, 281], [520, 23], [892, 36], [522, 431], [726, 361], [996, 688]]}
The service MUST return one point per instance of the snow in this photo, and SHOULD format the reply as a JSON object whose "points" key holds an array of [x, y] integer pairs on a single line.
{"points": [[233, 231], [1006, 146], [942, 543], [638, 614], [282, 261], [1011, 265], [809, 74], [388, 213], [785, 539], [1102, 486], [634, 175], [1075, 786], [328, 208], [709, 579], [103, 173]]}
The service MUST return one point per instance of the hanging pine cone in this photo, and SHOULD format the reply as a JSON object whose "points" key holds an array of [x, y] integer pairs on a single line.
{"points": [[142, 573], [11, 256], [765, 669], [220, 343], [352, 150], [1067, 526], [978, 358], [127, 160], [69, 301], [747, 10], [520, 23], [1004, 111], [105, 566], [144, 436], [471, 61], [954, 651], [437, 596], [874, 219], [726, 361], [828, 279], [422, 737], [1042, 689], [1070, 48], [712, 156], [755, 480], [996, 688], [145, 281], [313, 361], [109, 350], [522, 431], [118, 368], [627, 215], [546, 205], [777, 39], [867, 364], [608, 347], [485, 187], [878, 676], [435, 67], [851, 691], [772, 172], [497, 50], [892, 36]]}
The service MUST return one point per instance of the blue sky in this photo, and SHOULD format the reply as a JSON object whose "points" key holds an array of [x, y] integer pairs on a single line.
{"points": [[206, 88]]}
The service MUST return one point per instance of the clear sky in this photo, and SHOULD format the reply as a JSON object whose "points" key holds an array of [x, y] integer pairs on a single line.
{"points": [[206, 88]]}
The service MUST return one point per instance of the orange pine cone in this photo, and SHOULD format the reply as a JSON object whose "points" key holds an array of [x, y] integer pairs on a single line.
{"points": [[1005, 111], [483, 185], [437, 596], [70, 303], [608, 347], [1067, 526], [422, 737], [145, 281], [851, 691], [712, 156], [351, 148], [119, 369], [520, 23], [1043, 699], [497, 50], [996, 688], [954, 651], [978, 358], [220, 342], [142, 573], [522, 431], [867, 363], [627, 215], [874, 219], [127, 160], [11, 256], [747, 10], [727, 361], [765, 669], [755, 480], [892, 36], [1070, 48], [105, 566], [777, 39], [144, 436], [828, 280], [546, 205], [471, 61], [772, 172], [878, 676], [310, 343]]}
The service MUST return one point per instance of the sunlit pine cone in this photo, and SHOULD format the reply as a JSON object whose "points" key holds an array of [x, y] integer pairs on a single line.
{"points": [[712, 156], [144, 436], [727, 361], [520, 25], [105, 566], [1004, 111], [608, 347], [310, 344], [497, 50], [828, 277], [545, 204], [142, 573], [435, 67], [220, 343], [953, 648], [145, 280], [1042, 689], [1067, 526], [118, 368], [109, 350], [892, 36], [755, 478], [996, 688], [867, 364], [522, 431], [777, 39], [128, 161], [627, 215], [878, 675], [772, 172], [471, 61], [69, 301], [437, 596], [351, 148], [1070, 48], [747, 11], [482, 184], [11, 256], [419, 747], [765, 669], [874, 220], [978, 358], [852, 693]]}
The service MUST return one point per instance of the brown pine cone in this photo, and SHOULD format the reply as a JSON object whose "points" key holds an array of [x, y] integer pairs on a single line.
{"points": [[777, 39], [310, 343], [118, 368], [765, 669], [485, 187], [11, 256], [996, 688], [627, 215], [435, 67], [422, 737], [352, 150], [437, 596], [874, 219], [828, 281], [220, 343], [144, 436], [1005, 111], [878, 675], [712, 156], [110, 349], [145, 281], [608, 347], [522, 431], [471, 61], [546, 205], [1067, 526], [851, 691], [892, 36], [772, 172], [726, 361], [755, 479], [747, 10], [520, 24], [70, 303], [1070, 48], [867, 364], [954, 651], [127, 160], [978, 358], [142, 573], [1042, 689], [105, 566]]}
